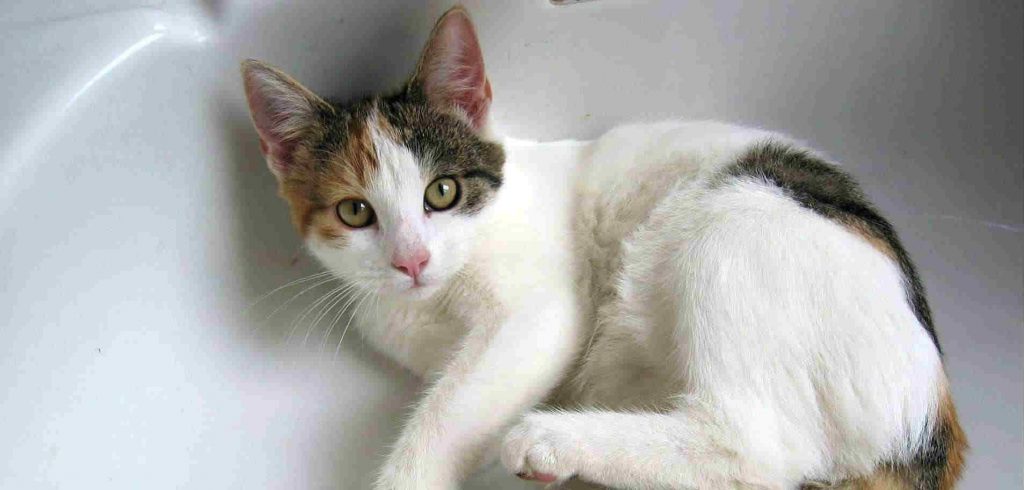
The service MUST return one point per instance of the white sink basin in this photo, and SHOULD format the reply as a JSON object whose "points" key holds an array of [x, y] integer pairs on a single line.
{"points": [[138, 222]]}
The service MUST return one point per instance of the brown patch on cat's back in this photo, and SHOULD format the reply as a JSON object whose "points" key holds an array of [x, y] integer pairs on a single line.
{"points": [[869, 235]]}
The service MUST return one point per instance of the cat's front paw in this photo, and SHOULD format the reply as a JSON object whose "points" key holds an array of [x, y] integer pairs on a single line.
{"points": [[540, 448]]}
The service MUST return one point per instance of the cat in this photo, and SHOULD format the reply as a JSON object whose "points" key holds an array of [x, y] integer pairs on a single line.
{"points": [[675, 305]]}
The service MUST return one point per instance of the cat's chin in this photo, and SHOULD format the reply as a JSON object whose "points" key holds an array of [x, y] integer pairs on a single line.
{"points": [[420, 292], [407, 291]]}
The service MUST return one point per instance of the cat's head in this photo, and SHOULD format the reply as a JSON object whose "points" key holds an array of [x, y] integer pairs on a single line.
{"points": [[387, 191]]}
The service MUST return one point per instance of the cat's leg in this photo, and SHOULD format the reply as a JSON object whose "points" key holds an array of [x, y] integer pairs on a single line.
{"points": [[505, 366], [682, 449]]}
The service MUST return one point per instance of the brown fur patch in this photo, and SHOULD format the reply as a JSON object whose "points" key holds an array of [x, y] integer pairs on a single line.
{"points": [[883, 479], [937, 466], [337, 163], [296, 188], [956, 440], [358, 157], [388, 130], [869, 235]]}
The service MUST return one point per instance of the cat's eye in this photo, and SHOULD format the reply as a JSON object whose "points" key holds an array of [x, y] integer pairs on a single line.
{"points": [[355, 213], [441, 194]]}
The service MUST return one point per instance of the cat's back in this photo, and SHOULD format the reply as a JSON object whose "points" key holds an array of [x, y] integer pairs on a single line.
{"points": [[628, 171], [696, 238]]}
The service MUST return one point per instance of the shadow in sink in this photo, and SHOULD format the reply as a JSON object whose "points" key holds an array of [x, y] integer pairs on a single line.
{"points": [[269, 255], [290, 322]]}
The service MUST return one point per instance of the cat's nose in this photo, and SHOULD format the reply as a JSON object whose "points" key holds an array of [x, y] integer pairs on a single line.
{"points": [[411, 264]]}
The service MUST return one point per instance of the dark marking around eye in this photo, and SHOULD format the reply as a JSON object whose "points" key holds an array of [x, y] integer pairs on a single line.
{"points": [[444, 145], [492, 179]]}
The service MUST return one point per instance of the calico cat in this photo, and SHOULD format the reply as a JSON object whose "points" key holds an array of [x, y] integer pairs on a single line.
{"points": [[700, 305]]}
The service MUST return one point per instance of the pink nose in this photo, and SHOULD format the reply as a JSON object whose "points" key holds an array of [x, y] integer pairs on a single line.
{"points": [[411, 264]]}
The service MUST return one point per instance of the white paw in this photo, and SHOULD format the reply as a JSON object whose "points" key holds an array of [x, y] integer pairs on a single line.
{"points": [[540, 448]]}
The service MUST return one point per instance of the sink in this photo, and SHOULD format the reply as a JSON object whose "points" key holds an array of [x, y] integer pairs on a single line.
{"points": [[146, 342]]}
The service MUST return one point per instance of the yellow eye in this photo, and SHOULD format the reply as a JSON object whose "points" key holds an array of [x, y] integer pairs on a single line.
{"points": [[441, 194], [355, 213]]}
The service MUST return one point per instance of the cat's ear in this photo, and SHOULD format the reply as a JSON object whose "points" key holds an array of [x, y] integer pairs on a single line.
{"points": [[282, 110], [451, 69]]}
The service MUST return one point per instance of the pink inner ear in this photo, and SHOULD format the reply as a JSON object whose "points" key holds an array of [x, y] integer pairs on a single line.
{"points": [[280, 155], [268, 119], [476, 99], [454, 69]]}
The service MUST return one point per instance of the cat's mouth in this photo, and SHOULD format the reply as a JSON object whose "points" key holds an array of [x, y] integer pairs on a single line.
{"points": [[420, 283], [420, 288]]}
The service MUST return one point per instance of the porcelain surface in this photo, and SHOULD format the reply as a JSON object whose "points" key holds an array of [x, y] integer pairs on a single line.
{"points": [[138, 224]]}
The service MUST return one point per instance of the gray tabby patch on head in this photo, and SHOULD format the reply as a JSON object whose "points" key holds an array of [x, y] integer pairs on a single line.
{"points": [[322, 152], [443, 113], [445, 146]]}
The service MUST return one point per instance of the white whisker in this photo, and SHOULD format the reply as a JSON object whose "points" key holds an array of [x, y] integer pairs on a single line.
{"points": [[326, 297], [323, 312], [334, 322], [293, 298], [349, 324], [292, 283]]}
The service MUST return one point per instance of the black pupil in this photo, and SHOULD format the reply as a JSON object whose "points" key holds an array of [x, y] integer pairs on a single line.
{"points": [[442, 189], [356, 208]]}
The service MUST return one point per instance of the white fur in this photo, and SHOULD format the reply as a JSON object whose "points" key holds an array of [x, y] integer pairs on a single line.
{"points": [[499, 335], [716, 333], [775, 345]]}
